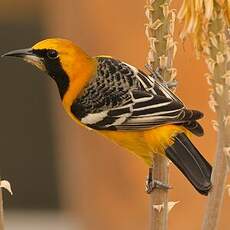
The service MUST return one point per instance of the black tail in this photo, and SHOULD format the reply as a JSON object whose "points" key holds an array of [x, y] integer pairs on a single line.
{"points": [[191, 163]]}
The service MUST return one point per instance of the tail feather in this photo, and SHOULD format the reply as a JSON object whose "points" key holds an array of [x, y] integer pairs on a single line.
{"points": [[191, 163], [189, 118], [194, 127], [191, 115], [196, 115]]}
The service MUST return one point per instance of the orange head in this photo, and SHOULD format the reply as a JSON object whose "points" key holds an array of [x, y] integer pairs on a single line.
{"points": [[60, 58]]}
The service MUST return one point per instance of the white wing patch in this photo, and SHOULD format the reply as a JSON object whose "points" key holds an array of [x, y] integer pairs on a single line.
{"points": [[93, 118]]}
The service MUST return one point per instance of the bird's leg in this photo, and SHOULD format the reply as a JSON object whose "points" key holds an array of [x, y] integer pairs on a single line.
{"points": [[151, 184], [157, 74]]}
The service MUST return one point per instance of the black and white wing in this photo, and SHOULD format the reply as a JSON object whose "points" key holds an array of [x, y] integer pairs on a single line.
{"points": [[121, 97]]}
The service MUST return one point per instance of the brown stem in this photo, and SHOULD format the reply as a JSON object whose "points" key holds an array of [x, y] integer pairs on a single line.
{"points": [[159, 197], [159, 31], [220, 170], [216, 195], [1, 211], [218, 52]]}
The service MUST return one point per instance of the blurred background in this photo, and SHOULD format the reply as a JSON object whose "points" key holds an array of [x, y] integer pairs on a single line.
{"points": [[66, 177]]}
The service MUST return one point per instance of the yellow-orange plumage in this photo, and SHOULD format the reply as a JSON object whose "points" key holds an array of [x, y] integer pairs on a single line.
{"points": [[146, 143], [123, 104]]}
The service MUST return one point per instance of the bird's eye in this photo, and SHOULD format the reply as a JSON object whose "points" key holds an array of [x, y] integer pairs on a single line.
{"points": [[52, 54]]}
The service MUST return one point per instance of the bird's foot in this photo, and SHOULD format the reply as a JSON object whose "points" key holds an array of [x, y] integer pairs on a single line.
{"points": [[151, 184], [157, 74], [171, 84], [149, 187]]}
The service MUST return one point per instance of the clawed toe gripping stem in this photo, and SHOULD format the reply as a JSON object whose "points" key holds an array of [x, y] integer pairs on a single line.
{"points": [[151, 184], [157, 74]]}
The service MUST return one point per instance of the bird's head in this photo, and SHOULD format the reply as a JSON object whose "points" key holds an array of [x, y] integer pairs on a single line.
{"points": [[60, 58]]}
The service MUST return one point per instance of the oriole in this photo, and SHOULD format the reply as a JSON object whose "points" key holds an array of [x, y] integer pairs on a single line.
{"points": [[133, 109]]}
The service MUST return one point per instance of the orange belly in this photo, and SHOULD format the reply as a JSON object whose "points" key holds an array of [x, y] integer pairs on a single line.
{"points": [[146, 143]]}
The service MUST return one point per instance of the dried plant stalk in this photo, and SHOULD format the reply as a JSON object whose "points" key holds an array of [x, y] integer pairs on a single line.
{"points": [[159, 197], [218, 54], [6, 185], [159, 31], [1, 211], [207, 21]]}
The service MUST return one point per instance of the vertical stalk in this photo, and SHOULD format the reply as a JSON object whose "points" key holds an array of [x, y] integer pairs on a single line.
{"points": [[218, 60], [208, 22], [1, 211], [159, 32], [159, 197]]}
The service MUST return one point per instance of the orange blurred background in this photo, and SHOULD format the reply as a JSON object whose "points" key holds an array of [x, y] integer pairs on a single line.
{"points": [[97, 183]]}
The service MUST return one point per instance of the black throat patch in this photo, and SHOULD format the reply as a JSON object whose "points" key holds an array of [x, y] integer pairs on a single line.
{"points": [[55, 70]]}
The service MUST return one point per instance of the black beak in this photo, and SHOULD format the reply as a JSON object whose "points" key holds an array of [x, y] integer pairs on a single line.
{"points": [[19, 53]]}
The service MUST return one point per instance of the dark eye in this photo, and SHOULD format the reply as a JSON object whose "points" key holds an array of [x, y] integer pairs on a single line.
{"points": [[52, 54]]}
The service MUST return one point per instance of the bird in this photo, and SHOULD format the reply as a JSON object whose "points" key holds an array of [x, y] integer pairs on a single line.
{"points": [[136, 110]]}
